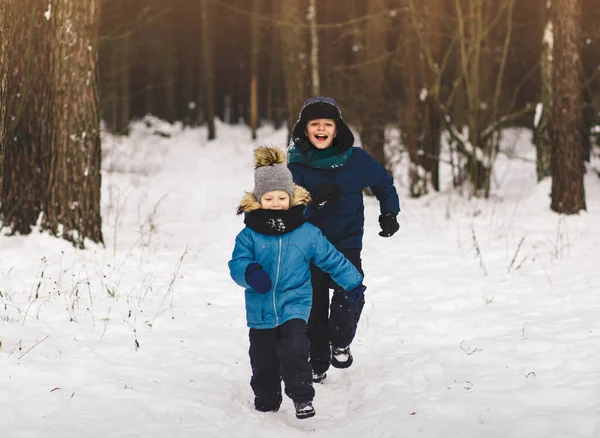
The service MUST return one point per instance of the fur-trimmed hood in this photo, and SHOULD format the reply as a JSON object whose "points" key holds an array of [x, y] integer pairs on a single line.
{"points": [[250, 203], [317, 108]]}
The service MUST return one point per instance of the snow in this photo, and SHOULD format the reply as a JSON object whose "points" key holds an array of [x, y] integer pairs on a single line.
{"points": [[48, 12], [539, 109], [481, 317], [548, 38]]}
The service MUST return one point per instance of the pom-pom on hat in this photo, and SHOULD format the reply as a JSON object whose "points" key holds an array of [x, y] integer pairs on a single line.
{"points": [[271, 172]]}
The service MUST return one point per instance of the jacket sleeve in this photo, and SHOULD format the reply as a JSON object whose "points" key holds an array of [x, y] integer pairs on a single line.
{"points": [[381, 184], [334, 263], [242, 256], [296, 175]]}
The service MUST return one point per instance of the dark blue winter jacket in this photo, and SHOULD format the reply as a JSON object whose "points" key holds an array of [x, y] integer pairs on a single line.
{"points": [[343, 222]]}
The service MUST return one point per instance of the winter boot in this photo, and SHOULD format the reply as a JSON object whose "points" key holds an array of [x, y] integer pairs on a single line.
{"points": [[318, 377], [304, 410], [267, 405], [341, 357], [260, 408]]}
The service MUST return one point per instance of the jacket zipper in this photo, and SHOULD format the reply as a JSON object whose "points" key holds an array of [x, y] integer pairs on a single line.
{"points": [[277, 281]]}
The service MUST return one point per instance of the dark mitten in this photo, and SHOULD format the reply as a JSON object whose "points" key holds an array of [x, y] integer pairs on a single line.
{"points": [[257, 278], [353, 295], [389, 225], [326, 192]]}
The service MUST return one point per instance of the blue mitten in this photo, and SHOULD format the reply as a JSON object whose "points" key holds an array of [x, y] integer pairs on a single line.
{"points": [[353, 295], [257, 278]]}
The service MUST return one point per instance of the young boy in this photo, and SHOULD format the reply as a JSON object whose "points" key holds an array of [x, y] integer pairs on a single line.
{"points": [[271, 260], [322, 159]]}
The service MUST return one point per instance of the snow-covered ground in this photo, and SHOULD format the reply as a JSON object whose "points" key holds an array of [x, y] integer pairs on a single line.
{"points": [[482, 317]]}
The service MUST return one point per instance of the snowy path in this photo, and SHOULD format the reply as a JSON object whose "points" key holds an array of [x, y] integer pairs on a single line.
{"points": [[447, 346]]}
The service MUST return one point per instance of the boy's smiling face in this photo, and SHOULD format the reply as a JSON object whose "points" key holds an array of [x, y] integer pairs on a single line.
{"points": [[275, 200], [320, 132]]}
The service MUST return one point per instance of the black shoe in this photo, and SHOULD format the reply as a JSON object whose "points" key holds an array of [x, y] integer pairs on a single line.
{"points": [[341, 357], [304, 410], [318, 377]]}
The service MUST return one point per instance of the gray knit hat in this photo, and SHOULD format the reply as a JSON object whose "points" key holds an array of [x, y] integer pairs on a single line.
{"points": [[271, 172]]}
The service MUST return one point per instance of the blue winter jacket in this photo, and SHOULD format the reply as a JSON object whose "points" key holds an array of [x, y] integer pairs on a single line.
{"points": [[343, 222], [286, 259]]}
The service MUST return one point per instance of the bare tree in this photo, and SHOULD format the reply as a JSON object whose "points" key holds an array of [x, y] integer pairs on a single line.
{"points": [[207, 68], [411, 126], [124, 113], [115, 60], [314, 48], [186, 16], [5, 30], [169, 59], [274, 98], [543, 117], [73, 207], [372, 55], [256, 40], [479, 79], [422, 90], [294, 45], [28, 83], [568, 194]]}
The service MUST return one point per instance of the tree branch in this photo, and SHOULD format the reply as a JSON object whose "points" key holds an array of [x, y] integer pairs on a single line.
{"points": [[497, 124]]}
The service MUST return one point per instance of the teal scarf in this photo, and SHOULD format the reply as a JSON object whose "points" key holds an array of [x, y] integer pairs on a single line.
{"points": [[329, 158]]}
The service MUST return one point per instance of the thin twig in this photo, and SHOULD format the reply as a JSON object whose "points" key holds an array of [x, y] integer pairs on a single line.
{"points": [[516, 253], [476, 245], [34, 345]]}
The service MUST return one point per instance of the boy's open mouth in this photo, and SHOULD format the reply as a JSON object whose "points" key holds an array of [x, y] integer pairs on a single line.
{"points": [[321, 137]]}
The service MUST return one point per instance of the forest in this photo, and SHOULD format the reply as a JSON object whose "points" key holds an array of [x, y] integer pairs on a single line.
{"points": [[437, 71]]}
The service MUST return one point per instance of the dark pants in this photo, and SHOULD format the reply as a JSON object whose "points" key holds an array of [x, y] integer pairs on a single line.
{"points": [[276, 354], [331, 325]]}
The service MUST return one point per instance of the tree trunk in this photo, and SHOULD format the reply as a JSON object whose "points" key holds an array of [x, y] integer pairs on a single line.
{"points": [[568, 195], [170, 68], [411, 126], [170, 111], [543, 142], [422, 126], [483, 75], [5, 30], [110, 104], [151, 89], [115, 59], [373, 108], [335, 55], [588, 115], [25, 155], [124, 98], [207, 68], [256, 34], [471, 47], [432, 139], [293, 36], [188, 93], [275, 89], [434, 23], [73, 208], [314, 48]]}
